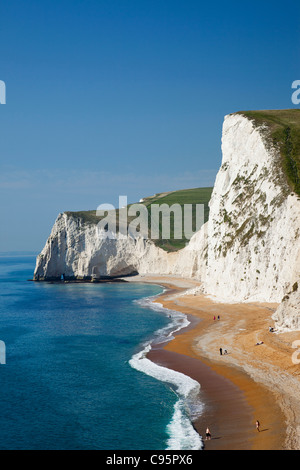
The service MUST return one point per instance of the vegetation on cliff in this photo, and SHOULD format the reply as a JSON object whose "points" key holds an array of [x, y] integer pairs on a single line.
{"points": [[188, 196], [282, 129]]}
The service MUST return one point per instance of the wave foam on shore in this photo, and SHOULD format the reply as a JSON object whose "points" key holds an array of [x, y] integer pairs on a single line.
{"points": [[181, 432]]}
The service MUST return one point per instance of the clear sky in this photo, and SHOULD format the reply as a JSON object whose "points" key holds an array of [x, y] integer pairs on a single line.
{"points": [[127, 97]]}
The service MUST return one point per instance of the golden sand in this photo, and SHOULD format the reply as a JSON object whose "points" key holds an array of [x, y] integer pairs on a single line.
{"points": [[258, 364]]}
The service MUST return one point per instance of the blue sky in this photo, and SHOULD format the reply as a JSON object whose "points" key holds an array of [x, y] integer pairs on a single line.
{"points": [[109, 98]]}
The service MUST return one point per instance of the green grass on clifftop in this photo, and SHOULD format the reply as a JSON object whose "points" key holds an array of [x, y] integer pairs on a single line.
{"points": [[187, 196], [284, 132]]}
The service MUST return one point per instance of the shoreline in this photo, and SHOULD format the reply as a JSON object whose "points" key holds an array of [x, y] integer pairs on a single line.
{"points": [[237, 389]]}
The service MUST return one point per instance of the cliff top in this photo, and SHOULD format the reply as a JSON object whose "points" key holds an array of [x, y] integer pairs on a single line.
{"points": [[282, 129], [186, 196]]}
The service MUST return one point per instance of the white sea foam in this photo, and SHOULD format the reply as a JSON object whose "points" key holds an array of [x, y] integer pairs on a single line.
{"points": [[178, 320], [182, 434]]}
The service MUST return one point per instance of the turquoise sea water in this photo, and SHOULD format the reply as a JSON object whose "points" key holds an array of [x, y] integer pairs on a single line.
{"points": [[76, 376]]}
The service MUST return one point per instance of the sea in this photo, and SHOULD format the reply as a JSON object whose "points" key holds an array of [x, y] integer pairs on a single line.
{"points": [[75, 373]]}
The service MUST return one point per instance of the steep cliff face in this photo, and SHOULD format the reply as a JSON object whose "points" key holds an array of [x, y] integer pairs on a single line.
{"points": [[287, 316], [249, 250], [76, 250], [252, 246]]}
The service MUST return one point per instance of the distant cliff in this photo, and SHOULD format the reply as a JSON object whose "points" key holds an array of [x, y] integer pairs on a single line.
{"points": [[249, 250], [74, 250]]}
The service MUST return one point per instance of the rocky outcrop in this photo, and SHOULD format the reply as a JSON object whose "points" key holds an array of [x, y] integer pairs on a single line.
{"points": [[76, 250], [249, 250], [287, 316]]}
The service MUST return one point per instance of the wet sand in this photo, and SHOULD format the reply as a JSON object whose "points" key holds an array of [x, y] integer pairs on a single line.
{"points": [[226, 411], [251, 382]]}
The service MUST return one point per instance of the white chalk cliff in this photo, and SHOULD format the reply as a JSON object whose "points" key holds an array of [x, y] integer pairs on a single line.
{"points": [[76, 250], [249, 250]]}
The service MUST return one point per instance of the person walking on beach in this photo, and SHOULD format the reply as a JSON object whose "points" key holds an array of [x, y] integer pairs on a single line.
{"points": [[257, 425], [208, 435], [221, 351]]}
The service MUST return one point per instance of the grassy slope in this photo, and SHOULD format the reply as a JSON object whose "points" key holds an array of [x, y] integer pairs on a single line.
{"points": [[188, 196], [284, 132]]}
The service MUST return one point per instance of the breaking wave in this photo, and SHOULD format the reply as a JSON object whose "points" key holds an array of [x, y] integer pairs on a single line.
{"points": [[181, 432]]}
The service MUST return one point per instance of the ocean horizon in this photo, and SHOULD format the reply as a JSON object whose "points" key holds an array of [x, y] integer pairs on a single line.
{"points": [[77, 374]]}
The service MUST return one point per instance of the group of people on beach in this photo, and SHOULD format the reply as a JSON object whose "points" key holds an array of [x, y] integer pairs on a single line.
{"points": [[224, 352], [271, 330], [208, 433]]}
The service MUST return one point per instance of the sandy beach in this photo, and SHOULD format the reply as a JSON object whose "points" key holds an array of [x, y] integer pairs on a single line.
{"points": [[255, 380]]}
